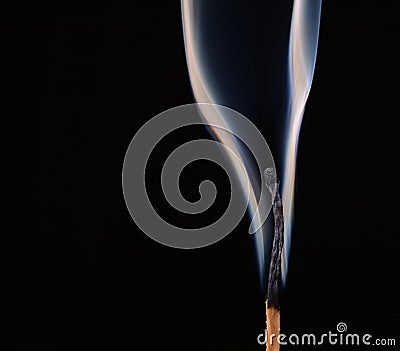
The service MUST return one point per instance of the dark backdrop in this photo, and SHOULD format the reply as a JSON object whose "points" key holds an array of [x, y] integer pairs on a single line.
{"points": [[86, 75]]}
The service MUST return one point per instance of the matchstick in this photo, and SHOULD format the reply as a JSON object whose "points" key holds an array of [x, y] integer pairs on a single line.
{"points": [[274, 278]]}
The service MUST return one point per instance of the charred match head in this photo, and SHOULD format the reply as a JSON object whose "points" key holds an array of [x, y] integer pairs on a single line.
{"points": [[271, 180], [272, 183], [272, 301]]}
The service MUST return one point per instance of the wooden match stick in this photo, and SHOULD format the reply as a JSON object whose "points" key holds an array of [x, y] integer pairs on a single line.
{"points": [[274, 278]]}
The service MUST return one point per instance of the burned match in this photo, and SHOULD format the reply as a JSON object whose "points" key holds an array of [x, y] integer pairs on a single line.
{"points": [[274, 278]]}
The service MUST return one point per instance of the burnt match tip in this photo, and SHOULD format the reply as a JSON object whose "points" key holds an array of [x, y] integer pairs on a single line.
{"points": [[270, 176], [271, 179]]}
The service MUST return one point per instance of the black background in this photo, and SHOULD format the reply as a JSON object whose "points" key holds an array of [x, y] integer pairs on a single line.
{"points": [[85, 75]]}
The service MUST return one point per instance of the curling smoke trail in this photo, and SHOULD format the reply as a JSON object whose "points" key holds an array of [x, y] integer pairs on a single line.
{"points": [[204, 94], [303, 41], [302, 55]]}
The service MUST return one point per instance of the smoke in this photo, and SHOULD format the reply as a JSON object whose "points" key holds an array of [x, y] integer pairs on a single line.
{"points": [[303, 45], [302, 51]]}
